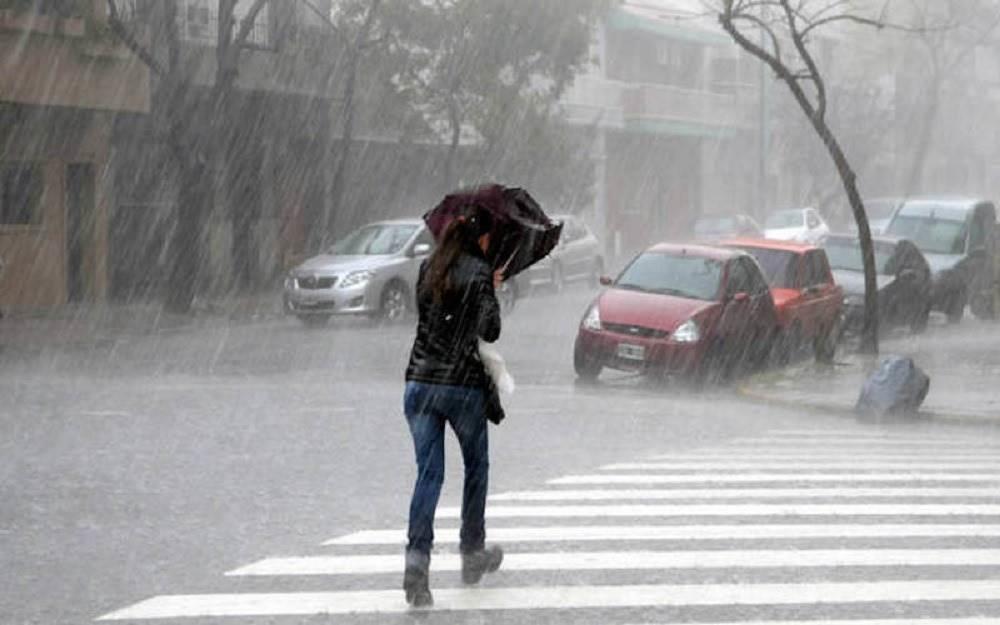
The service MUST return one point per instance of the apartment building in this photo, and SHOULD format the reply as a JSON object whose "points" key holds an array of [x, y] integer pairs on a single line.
{"points": [[675, 107]]}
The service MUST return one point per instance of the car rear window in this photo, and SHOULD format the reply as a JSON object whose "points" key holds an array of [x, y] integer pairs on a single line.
{"points": [[682, 275], [779, 266], [785, 219]]}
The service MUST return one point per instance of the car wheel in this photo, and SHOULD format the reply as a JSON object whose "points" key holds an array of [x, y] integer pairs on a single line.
{"points": [[956, 307], [393, 306], [557, 278], [507, 296], [587, 367], [314, 321], [825, 343]]}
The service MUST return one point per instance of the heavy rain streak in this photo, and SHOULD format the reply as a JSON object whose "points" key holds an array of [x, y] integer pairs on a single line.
{"points": [[500, 311]]}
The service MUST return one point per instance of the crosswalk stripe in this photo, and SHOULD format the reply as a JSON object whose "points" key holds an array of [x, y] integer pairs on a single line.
{"points": [[826, 454], [636, 560], [845, 464], [743, 493], [748, 476], [864, 435], [581, 533], [558, 597], [848, 443], [780, 509], [973, 620]]}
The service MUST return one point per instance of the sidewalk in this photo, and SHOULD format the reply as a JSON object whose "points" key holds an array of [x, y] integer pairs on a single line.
{"points": [[962, 362], [93, 324]]}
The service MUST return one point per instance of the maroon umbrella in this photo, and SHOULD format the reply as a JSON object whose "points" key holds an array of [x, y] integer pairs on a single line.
{"points": [[522, 233]]}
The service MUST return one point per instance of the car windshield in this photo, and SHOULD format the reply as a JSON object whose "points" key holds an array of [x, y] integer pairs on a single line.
{"points": [[932, 235], [778, 266], [785, 219], [682, 275], [374, 240], [846, 254], [715, 225]]}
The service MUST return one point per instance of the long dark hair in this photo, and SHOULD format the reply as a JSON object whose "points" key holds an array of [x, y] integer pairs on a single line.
{"points": [[461, 235]]}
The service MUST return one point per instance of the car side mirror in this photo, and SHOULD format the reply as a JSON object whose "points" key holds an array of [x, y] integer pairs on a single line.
{"points": [[606, 281], [421, 249]]}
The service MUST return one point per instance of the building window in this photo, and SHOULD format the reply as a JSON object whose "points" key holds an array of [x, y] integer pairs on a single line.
{"points": [[20, 193]]}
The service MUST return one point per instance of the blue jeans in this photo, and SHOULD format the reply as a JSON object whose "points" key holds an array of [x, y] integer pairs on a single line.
{"points": [[428, 407]]}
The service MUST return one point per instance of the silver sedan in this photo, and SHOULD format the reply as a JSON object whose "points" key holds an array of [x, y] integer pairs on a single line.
{"points": [[371, 272]]}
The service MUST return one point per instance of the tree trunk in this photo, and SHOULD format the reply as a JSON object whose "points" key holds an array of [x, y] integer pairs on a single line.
{"points": [[188, 242], [869, 331]]}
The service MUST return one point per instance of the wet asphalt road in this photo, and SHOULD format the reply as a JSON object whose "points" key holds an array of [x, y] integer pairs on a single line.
{"points": [[135, 466]]}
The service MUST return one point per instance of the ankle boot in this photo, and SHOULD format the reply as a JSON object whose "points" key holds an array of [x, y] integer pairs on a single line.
{"points": [[476, 563], [416, 579]]}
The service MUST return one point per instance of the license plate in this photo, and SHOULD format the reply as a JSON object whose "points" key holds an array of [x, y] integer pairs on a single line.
{"points": [[631, 352]]}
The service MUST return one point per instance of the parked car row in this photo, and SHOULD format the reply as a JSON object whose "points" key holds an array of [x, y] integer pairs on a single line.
{"points": [[697, 310], [373, 271]]}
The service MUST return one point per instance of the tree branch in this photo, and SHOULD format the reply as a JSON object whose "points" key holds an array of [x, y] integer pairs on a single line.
{"points": [[126, 37], [246, 24]]}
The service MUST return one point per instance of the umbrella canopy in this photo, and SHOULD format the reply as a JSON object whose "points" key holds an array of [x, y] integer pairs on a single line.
{"points": [[522, 233]]}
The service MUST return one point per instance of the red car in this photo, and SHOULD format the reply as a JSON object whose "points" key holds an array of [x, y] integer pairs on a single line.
{"points": [[684, 310], [809, 302]]}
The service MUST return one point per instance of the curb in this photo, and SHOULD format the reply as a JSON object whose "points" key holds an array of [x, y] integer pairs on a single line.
{"points": [[745, 390]]}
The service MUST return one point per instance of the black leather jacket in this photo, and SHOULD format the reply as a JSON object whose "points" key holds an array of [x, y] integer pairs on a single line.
{"points": [[446, 349]]}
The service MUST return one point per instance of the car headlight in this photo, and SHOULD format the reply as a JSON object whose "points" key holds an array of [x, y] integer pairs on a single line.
{"points": [[687, 332], [592, 320], [356, 278]]}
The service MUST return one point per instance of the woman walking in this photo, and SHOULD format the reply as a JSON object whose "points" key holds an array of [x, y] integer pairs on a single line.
{"points": [[445, 383]]}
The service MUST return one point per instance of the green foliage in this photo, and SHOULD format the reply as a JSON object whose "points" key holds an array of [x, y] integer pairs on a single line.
{"points": [[492, 71]]}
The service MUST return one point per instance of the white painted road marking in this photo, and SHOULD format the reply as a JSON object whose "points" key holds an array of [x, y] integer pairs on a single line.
{"points": [[637, 560], [558, 597], [747, 476], [822, 454], [778, 509], [743, 493], [853, 444], [580, 533], [974, 620], [841, 465]]}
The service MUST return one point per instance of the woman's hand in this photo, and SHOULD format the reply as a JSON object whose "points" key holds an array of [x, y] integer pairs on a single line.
{"points": [[497, 278]]}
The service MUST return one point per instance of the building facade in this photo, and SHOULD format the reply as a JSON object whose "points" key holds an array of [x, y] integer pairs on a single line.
{"points": [[674, 106], [56, 194]]}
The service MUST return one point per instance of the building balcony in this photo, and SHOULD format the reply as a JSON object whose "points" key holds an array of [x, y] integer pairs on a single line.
{"points": [[84, 65], [678, 110], [660, 109]]}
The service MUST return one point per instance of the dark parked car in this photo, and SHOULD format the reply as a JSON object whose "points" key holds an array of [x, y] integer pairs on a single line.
{"points": [[684, 310], [904, 281], [712, 227], [956, 237]]}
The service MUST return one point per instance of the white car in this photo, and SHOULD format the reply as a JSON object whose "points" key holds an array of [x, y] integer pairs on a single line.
{"points": [[802, 225]]}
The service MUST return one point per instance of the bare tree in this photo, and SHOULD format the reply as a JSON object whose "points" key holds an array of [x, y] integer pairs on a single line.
{"points": [[780, 33], [948, 33], [179, 115]]}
